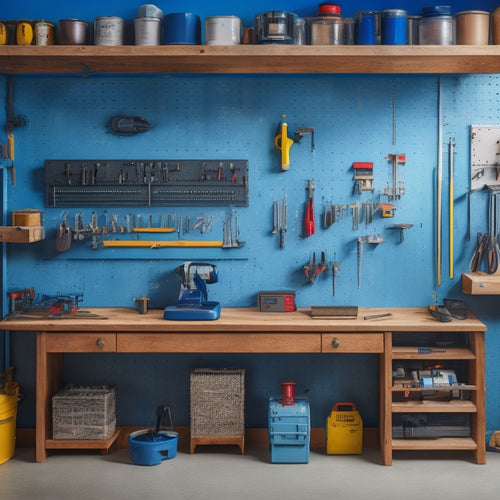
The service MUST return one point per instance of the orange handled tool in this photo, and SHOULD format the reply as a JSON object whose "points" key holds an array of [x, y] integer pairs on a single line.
{"points": [[309, 224]]}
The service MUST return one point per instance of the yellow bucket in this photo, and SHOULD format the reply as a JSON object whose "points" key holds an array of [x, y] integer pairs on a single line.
{"points": [[8, 413]]}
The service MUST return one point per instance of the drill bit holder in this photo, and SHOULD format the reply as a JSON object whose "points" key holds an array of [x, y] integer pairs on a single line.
{"points": [[151, 183]]}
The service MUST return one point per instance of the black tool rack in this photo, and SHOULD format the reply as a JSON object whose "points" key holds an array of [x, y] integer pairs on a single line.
{"points": [[153, 183]]}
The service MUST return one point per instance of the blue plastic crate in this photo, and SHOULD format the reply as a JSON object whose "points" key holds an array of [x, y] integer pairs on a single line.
{"points": [[289, 431]]}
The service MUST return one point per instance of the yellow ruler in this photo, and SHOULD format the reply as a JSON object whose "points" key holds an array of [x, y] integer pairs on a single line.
{"points": [[161, 244]]}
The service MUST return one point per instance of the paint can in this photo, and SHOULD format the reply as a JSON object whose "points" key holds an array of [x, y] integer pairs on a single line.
{"points": [[412, 30], [223, 30], [288, 393], [109, 30], [182, 28], [394, 27], [73, 32], [437, 26], [24, 33], [325, 30], [147, 31], [367, 27], [4, 35], [473, 27], [44, 33]]}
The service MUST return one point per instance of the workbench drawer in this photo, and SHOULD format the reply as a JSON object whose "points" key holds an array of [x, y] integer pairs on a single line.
{"points": [[352, 342], [81, 342]]}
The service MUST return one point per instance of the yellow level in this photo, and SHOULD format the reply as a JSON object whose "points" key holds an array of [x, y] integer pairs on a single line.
{"points": [[153, 229], [160, 244]]}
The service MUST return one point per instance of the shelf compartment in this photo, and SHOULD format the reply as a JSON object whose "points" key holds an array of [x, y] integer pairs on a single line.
{"points": [[481, 283], [434, 389], [434, 444], [250, 59], [21, 234], [429, 406], [457, 353]]}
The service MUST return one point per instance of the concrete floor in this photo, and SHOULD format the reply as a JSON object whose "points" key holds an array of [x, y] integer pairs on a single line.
{"points": [[220, 473]]}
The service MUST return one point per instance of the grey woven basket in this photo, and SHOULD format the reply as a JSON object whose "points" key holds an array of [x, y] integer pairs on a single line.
{"points": [[82, 412], [217, 402]]}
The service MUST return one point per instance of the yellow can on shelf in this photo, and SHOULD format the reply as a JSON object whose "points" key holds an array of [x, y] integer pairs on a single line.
{"points": [[344, 430], [8, 414]]}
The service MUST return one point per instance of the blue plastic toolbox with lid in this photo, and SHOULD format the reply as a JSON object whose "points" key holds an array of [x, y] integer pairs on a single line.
{"points": [[289, 431]]}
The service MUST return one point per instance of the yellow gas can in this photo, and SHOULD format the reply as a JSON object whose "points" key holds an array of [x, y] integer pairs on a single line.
{"points": [[344, 430]]}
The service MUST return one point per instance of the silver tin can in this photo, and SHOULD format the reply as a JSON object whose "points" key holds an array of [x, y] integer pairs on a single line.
{"points": [[325, 30], [223, 30], [109, 30], [147, 31], [44, 33], [436, 30]]}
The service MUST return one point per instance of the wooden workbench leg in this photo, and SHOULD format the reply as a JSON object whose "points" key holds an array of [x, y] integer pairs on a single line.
{"points": [[477, 377], [48, 381], [385, 404]]}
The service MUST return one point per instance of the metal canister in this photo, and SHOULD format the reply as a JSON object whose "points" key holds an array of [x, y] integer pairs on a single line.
{"points": [[367, 27], [44, 33], [3, 34], [325, 30], [73, 32], [495, 26], [473, 27], [223, 30], [437, 26], [109, 30], [24, 33], [147, 30], [412, 29], [275, 26], [394, 27]]}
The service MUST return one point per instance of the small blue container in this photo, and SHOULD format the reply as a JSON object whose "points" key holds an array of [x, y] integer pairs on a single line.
{"points": [[151, 448], [394, 27], [366, 27], [289, 431], [182, 28]]}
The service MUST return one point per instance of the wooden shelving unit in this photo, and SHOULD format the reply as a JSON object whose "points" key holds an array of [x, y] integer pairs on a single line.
{"points": [[250, 59], [473, 356]]}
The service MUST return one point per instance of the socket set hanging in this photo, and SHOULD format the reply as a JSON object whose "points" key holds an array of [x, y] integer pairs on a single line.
{"points": [[152, 183]]}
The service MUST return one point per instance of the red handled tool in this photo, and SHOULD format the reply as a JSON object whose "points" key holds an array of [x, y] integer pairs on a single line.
{"points": [[309, 224]]}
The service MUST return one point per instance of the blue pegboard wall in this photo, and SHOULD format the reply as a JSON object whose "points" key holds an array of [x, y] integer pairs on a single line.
{"points": [[354, 118]]}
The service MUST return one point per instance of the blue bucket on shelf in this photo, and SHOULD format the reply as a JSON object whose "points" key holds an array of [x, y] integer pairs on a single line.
{"points": [[151, 448]]}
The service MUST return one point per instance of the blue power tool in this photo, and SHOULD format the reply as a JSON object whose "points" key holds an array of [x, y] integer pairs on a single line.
{"points": [[193, 304]]}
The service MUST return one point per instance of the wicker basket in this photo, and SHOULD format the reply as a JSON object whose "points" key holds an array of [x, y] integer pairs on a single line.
{"points": [[82, 413], [217, 405]]}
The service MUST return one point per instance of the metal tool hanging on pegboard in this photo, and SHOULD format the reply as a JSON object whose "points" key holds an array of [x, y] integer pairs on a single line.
{"points": [[152, 183]]}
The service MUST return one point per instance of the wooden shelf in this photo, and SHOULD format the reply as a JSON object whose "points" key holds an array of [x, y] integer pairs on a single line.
{"points": [[87, 444], [428, 406], [434, 444], [21, 234], [250, 59], [481, 283], [436, 353]]}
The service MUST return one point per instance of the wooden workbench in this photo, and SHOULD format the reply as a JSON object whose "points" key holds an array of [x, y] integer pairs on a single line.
{"points": [[246, 330]]}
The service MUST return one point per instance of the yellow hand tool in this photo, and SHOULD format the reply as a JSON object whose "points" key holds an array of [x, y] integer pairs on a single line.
{"points": [[153, 229], [283, 143], [10, 149], [160, 244]]}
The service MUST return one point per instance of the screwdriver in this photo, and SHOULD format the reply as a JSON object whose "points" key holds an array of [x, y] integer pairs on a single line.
{"points": [[309, 224]]}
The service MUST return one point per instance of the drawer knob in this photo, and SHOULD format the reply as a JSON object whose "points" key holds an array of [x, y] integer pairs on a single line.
{"points": [[335, 342], [100, 343]]}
